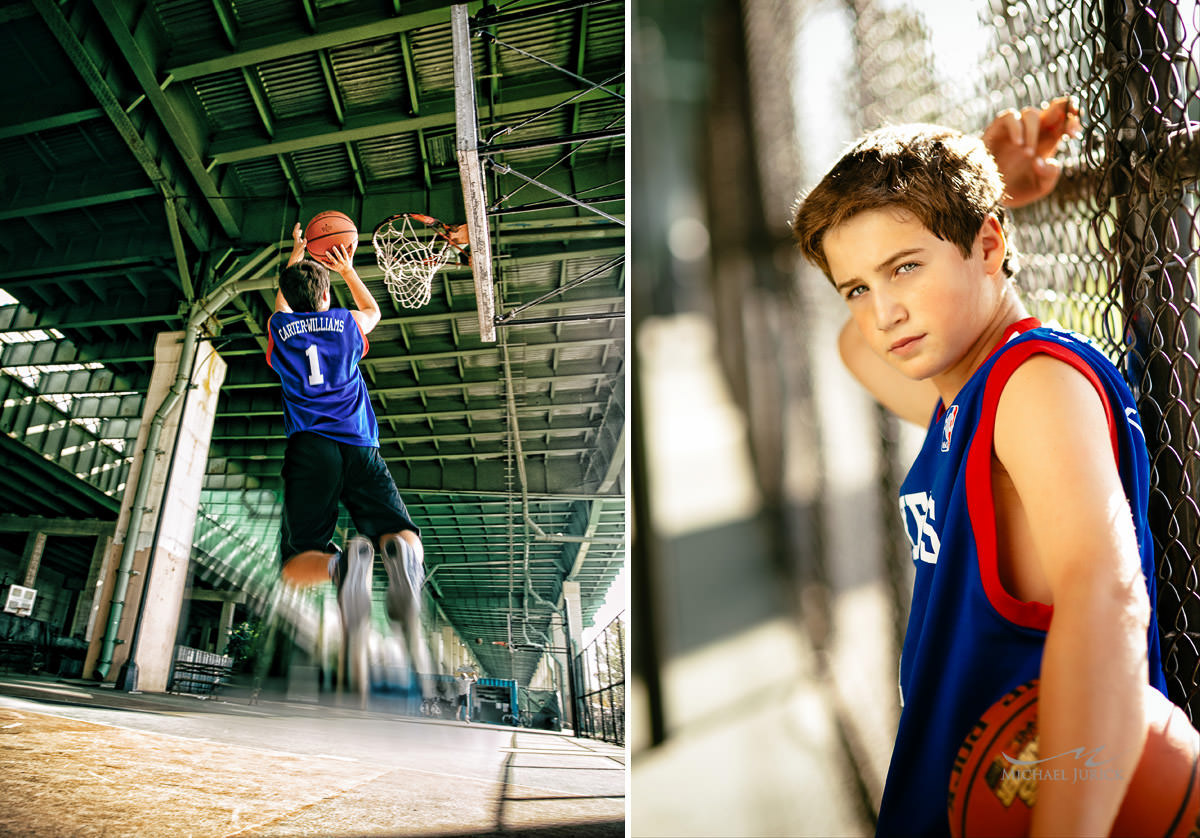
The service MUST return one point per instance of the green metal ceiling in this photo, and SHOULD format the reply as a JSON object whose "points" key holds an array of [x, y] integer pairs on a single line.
{"points": [[150, 151]]}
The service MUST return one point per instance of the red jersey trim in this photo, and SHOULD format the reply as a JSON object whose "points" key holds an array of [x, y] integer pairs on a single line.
{"points": [[980, 501], [1020, 327], [366, 343], [270, 341]]}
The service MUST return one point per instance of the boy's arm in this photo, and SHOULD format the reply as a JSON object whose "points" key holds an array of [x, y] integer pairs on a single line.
{"points": [[298, 245], [342, 260], [907, 398], [1052, 437]]}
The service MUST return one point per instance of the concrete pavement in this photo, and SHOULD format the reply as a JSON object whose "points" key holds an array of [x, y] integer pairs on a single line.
{"points": [[79, 759]]}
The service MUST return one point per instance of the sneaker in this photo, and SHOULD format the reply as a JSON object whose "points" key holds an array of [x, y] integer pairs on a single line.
{"points": [[352, 576], [405, 575]]}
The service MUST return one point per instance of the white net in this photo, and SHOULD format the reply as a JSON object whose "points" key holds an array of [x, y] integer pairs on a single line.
{"points": [[409, 255]]}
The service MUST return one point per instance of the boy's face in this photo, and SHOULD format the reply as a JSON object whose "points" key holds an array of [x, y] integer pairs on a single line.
{"points": [[921, 306]]}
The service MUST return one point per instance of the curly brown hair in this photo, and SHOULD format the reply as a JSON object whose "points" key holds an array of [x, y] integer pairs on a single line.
{"points": [[945, 178]]}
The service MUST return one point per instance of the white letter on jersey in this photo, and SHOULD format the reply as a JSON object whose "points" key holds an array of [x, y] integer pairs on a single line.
{"points": [[1135, 421], [919, 526]]}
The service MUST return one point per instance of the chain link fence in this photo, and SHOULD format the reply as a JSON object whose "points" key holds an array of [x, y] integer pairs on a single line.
{"points": [[600, 703]]}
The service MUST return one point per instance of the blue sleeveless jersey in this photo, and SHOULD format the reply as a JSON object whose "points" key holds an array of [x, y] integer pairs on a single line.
{"points": [[316, 355], [968, 641]]}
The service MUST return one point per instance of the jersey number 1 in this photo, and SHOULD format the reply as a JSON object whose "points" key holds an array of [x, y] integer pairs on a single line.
{"points": [[314, 366]]}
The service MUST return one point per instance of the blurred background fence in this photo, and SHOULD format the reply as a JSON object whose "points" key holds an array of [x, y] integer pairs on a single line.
{"points": [[600, 705], [771, 578]]}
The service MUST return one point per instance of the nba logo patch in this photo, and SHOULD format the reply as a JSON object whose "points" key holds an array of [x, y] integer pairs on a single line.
{"points": [[948, 426]]}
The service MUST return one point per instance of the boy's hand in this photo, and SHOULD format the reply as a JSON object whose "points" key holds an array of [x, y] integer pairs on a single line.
{"points": [[299, 243], [1024, 144], [340, 258]]}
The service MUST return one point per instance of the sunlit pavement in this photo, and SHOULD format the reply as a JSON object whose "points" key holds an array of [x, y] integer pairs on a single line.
{"points": [[80, 759]]}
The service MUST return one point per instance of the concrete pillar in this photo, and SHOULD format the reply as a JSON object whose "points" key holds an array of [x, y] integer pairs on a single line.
{"points": [[545, 676], [435, 649], [558, 638], [35, 545], [85, 609], [450, 651], [227, 609], [186, 434], [570, 595]]}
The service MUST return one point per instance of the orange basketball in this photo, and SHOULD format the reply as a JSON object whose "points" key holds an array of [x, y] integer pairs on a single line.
{"points": [[328, 229], [991, 796]]}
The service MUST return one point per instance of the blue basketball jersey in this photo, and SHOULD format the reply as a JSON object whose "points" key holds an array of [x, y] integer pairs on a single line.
{"points": [[316, 355], [968, 641]]}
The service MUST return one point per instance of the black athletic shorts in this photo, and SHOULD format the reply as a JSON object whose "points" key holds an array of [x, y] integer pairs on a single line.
{"points": [[317, 473]]}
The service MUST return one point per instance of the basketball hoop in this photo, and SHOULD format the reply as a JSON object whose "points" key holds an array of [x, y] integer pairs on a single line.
{"points": [[409, 254]]}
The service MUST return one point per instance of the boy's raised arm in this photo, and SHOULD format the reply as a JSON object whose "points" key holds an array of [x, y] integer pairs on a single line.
{"points": [[368, 314], [298, 245], [1052, 439], [903, 396]]}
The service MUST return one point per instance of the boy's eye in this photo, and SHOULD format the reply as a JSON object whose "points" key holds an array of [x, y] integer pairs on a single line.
{"points": [[907, 267], [856, 291]]}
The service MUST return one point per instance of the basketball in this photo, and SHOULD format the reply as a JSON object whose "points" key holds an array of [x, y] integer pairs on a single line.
{"points": [[328, 229], [990, 796]]}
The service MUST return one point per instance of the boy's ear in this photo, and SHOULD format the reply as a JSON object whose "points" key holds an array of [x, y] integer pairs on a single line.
{"points": [[991, 237]]}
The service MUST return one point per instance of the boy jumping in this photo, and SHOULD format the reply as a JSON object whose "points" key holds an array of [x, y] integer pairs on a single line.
{"points": [[1026, 506], [333, 445]]}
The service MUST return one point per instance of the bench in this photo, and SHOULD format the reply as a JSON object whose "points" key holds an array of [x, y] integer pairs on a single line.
{"points": [[23, 643], [198, 678]]}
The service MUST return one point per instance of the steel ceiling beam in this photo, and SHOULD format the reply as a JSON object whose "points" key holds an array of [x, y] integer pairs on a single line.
{"points": [[63, 351], [56, 526], [105, 407], [301, 136], [49, 123], [562, 478], [485, 351], [147, 153], [530, 427], [117, 250], [66, 485], [41, 198], [234, 410], [62, 382], [425, 484], [282, 44], [185, 127], [18, 318], [391, 387], [273, 450]]}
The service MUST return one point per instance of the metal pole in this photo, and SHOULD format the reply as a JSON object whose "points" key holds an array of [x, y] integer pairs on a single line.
{"points": [[1158, 295]]}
